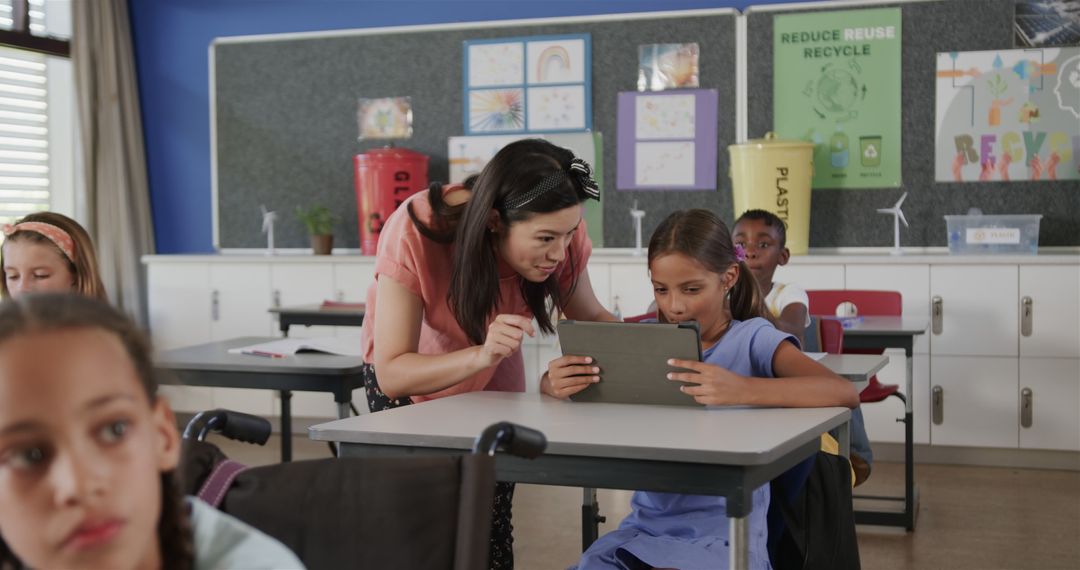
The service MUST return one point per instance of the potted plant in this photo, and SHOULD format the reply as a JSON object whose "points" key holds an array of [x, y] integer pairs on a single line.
{"points": [[320, 225]]}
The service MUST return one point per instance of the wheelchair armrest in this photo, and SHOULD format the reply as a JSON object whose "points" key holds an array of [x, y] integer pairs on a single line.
{"points": [[511, 438], [233, 425]]}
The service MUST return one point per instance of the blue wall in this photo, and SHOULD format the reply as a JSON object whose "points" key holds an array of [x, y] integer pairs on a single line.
{"points": [[172, 39]]}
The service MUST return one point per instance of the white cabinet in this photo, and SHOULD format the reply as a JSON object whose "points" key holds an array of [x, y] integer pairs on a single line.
{"points": [[977, 305], [631, 288], [600, 279], [1054, 385], [811, 276], [302, 284], [351, 281], [240, 296], [1049, 306], [978, 402], [179, 304]]}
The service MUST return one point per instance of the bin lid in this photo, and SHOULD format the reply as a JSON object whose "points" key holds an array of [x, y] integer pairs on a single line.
{"points": [[770, 141], [391, 153]]}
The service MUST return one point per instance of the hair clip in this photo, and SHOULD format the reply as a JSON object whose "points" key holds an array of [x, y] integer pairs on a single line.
{"points": [[740, 252], [583, 172]]}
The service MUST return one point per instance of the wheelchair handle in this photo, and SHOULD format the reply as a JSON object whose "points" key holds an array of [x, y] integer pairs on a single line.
{"points": [[233, 425], [511, 438]]}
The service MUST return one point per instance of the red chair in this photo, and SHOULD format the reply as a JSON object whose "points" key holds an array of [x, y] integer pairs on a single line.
{"points": [[831, 302], [824, 335]]}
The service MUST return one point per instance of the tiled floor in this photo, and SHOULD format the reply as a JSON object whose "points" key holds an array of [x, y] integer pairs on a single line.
{"points": [[970, 517]]}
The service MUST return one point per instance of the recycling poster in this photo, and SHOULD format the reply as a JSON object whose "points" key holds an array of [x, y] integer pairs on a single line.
{"points": [[836, 83]]}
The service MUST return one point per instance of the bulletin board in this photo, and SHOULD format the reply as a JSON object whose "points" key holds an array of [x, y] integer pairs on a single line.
{"points": [[848, 218], [284, 113]]}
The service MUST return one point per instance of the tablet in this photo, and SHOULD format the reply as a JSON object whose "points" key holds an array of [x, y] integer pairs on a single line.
{"points": [[633, 359]]}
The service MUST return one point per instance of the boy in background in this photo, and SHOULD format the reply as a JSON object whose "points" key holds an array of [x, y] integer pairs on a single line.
{"points": [[763, 237]]}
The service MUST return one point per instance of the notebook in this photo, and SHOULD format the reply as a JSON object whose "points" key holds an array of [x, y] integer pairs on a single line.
{"points": [[632, 358], [291, 346]]}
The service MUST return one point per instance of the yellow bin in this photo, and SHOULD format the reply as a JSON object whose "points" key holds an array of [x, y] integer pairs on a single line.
{"points": [[773, 174]]}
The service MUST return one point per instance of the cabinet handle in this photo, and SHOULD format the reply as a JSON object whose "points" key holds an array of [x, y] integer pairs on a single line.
{"points": [[1026, 401], [936, 311], [340, 295], [937, 405], [1025, 316], [215, 305], [277, 298], [616, 311]]}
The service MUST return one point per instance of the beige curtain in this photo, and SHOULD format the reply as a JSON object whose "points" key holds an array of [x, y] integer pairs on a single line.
{"points": [[117, 193]]}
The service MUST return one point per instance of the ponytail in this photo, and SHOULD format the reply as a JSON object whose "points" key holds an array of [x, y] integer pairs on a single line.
{"points": [[745, 301]]}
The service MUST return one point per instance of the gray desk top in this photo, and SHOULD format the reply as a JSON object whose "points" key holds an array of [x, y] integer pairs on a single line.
{"points": [[214, 356], [855, 367], [727, 436], [888, 325]]}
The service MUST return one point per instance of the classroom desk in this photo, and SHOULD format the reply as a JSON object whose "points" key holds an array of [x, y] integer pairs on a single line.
{"points": [[720, 451], [308, 315], [893, 332], [210, 364]]}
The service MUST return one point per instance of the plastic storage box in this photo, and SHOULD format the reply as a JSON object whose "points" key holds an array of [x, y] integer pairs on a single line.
{"points": [[989, 234]]}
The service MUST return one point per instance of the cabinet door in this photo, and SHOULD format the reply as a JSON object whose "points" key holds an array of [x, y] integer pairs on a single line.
{"points": [[979, 401], [1055, 399], [243, 300], [811, 276], [351, 281], [1054, 293], [978, 310], [302, 284], [179, 304], [881, 424], [600, 279], [631, 288], [913, 283]]}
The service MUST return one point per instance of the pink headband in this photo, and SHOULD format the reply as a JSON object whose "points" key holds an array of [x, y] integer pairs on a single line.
{"points": [[55, 235]]}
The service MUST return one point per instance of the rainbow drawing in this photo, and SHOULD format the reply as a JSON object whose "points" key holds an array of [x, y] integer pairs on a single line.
{"points": [[551, 55]]}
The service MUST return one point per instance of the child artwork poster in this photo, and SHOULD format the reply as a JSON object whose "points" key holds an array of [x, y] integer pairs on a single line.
{"points": [[1008, 115], [836, 83], [384, 118], [666, 140], [667, 66], [527, 85]]}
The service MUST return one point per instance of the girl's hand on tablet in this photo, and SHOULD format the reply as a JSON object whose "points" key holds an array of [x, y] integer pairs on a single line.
{"points": [[568, 375], [715, 385]]}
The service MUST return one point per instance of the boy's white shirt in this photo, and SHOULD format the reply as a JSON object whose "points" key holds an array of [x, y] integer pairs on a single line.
{"points": [[223, 542], [783, 295]]}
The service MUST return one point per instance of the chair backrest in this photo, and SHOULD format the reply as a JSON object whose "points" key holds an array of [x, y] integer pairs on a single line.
{"points": [[825, 302], [417, 512], [824, 335], [639, 318]]}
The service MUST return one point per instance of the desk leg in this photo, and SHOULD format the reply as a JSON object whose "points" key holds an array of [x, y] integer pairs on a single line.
{"points": [[909, 441], [738, 535], [845, 440], [286, 425], [590, 518]]}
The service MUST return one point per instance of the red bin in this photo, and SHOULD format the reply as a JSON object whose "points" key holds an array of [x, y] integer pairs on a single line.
{"points": [[385, 177]]}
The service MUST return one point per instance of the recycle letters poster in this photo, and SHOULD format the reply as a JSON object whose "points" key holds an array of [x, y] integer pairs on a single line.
{"points": [[836, 83], [1007, 115]]}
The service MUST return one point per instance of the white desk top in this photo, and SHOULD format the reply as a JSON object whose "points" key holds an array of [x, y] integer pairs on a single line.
{"points": [[728, 436]]}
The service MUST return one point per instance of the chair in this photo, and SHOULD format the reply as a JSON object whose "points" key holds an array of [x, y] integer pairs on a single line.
{"points": [[422, 512]]}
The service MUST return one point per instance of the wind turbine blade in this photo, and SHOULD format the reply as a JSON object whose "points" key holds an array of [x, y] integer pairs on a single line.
{"points": [[900, 201], [885, 210], [900, 213]]}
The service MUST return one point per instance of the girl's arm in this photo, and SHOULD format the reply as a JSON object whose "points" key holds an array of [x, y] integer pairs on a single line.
{"points": [[800, 382], [404, 372]]}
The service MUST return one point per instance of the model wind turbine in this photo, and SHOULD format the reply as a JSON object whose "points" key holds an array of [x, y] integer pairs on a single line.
{"points": [[637, 215], [268, 219], [898, 216]]}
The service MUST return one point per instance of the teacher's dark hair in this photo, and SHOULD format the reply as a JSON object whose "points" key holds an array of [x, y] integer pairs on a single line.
{"points": [[508, 178]]}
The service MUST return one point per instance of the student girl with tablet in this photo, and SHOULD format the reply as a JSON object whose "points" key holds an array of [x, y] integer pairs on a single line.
{"points": [[88, 452], [460, 275], [698, 275], [49, 252]]}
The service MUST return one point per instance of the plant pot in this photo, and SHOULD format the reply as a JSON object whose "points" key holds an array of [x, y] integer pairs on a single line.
{"points": [[322, 244]]}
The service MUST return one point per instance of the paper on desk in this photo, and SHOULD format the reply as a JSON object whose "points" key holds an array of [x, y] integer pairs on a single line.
{"points": [[816, 355], [328, 345]]}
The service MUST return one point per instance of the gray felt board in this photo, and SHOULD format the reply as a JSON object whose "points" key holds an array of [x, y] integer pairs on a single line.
{"points": [[847, 217], [286, 115], [286, 130]]}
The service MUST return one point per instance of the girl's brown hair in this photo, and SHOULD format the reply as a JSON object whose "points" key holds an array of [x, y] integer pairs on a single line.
{"points": [[85, 265], [701, 235], [50, 312], [474, 281]]}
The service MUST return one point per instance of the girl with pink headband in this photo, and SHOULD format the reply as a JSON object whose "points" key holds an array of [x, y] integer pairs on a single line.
{"points": [[49, 252]]}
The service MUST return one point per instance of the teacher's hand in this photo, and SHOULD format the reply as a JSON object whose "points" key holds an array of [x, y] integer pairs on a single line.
{"points": [[568, 375], [715, 385], [504, 336]]}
